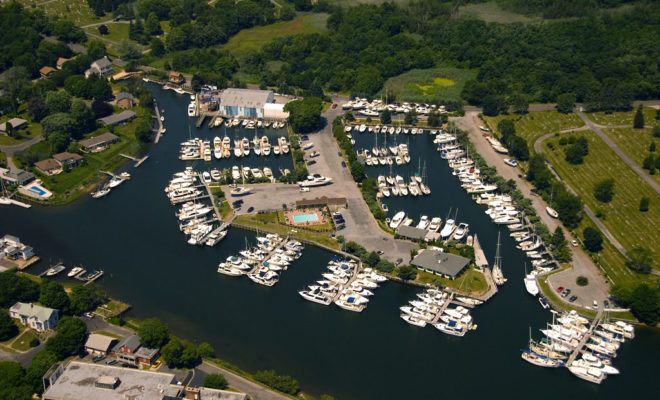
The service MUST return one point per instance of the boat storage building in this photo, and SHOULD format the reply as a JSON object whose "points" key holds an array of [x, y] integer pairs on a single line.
{"points": [[250, 103]]}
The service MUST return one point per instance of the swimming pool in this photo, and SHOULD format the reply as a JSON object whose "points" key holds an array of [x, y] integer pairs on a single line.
{"points": [[37, 190], [306, 218]]}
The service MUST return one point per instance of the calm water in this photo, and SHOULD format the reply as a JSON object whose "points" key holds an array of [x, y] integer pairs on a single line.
{"points": [[132, 235]]}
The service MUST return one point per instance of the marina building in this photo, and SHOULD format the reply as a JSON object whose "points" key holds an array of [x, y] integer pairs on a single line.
{"points": [[12, 248], [83, 381], [36, 317], [248, 103], [15, 176], [333, 203], [99, 344], [98, 143], [440, 263]]}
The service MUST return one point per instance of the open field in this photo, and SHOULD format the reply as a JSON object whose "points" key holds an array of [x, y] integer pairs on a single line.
{"points": [[535, 124], [622, 217], [73, 10], [635, 142], [428, 85], [492, 12], [622, 117], [116, 32], [254, 38]]}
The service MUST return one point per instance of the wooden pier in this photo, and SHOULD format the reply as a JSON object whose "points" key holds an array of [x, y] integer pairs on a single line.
{"points": [[210, 196], [269, 255], [200, 120], [585, 338], [443, 308], [356, 271], [138, 161], [479, 256], [97, 276], [160, 130]]}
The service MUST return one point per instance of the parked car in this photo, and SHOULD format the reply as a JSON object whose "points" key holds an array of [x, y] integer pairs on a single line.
{"points": [[112, 362], [311, 162], [250, 209], [334, 105], [380, 252], [573, 298], [398, 261], [343, 164], [595, 304], [98, 358], [606, 303], [574, 243], [560, 289]]}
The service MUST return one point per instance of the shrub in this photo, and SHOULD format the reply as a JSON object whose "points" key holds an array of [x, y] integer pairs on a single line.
{"points": [[283, 383], [582, 281], [34, 342], [215, 381], [644, 204]]}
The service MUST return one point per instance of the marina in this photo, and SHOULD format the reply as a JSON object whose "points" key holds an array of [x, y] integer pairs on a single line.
{"points": [[322, 366]]}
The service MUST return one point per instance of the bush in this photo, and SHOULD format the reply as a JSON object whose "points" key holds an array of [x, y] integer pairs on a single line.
{"points": [[34, 342], [283, 383], [604, 190], [582, 281], [644, 204], [215, 381], [406, 272]]}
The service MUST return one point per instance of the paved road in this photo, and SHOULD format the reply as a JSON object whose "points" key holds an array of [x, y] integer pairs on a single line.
{"points": [[11, 150], [25, 359], [633, 165], [255, 390], [582, 265]]}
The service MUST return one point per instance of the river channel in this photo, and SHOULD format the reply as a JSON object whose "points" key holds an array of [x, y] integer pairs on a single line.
{"points": [[132, 235]]}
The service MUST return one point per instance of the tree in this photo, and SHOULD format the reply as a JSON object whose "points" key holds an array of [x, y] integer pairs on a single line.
{"points": [[41, 362], [283, 383], [103, 29], [410, 118], [8, 328], [644, 302], [58, 141], [96, 48], [385, 116], [593, 239], [652, 147], [86, 298], [569, 208], [37, 108], [348, 116], [215, 381], [59, 101], [518, 148], [649, 162], [152, 25], [128, 50], [205, 350], [11, 373], [372, 258], [604, 190], [53, 296], [71, 336], [143, 130], [507, 129], [638, 121], [565, 103], [358, 171], [406, 272], [101, 109], [644, 204], [577, 151], [305, 114], [558, 238], [493, 105], [153, 333], [434, 118], [157, 47], [172, 352], [15, 288], [84, 117], [640, 259], [520, 103]]}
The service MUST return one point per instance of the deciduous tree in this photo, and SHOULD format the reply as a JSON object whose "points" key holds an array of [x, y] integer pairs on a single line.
{"points": [[593, 240]]}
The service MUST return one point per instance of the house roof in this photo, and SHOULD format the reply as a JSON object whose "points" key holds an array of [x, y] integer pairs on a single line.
{"points": [[46, 70], [147, 353], [33, 310], [117, 118], [96, 140], [65, 156], [102, 62], [18, 175], [47, 164], [99, 342], [245, 97], [15, 123], [132, 343], [61, 61], [438, 261], [411, 232], [121, 75], [123, 95]]}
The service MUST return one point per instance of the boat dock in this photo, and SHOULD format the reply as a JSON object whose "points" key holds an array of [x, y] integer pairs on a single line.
{"points": [[443, 308], [269, 255], [200, 120], [357, 270], [585, 338], [160, 130], [479, 256], [138, 161], [93, 278], [210, 196]]}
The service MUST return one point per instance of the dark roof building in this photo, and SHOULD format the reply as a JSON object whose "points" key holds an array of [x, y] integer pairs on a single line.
{"points": [[116, 119], [16, 176], [438, 262], [67, 158], [48, 166], [98, 143], [411, 232], [322, 201]]}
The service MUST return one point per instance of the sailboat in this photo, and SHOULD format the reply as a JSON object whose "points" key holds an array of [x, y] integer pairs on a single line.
{"points": [[498, 276], [422, 183], [539, 359], [240, 190]]}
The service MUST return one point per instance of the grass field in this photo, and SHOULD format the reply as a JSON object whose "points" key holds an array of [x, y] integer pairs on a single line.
{"points": [[535, 124], [635, 142], [492, 12], [77, 11], [631, 227], [22, 343], [470, 281], [116, 32], [428, 85], [254, 38], [622, 117]]}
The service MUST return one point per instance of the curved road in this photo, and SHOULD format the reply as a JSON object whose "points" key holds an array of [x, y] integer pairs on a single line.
{"points": [[10, 150]]}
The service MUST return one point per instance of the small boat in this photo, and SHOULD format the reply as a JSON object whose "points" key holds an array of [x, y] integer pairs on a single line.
{"points": [[100, 193], [510, 162], [55, 270], [544, 303], [75, 271], [240, 191], [552, 212], [530, 285]]}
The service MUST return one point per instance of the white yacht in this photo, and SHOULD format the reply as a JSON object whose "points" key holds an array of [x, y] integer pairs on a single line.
{"points": [[423, 222], [75, 271], [315, 180], [397, 219], [591, 374], [192, 109], [531, 285], [448, 229], [435, 224]]}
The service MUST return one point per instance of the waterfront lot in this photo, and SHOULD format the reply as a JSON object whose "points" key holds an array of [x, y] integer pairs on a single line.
{"points": [[621, 216], [635, 142], [535, 124]]}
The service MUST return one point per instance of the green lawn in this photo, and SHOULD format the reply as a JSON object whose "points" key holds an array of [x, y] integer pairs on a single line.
{"points": [[469, 281], [622, 117], [77, 11], [428, 85], [254, 38], [631, 227], [31, 130], [22, 343], [268, 221], [116, 32], [492, 12], [635, 142], [535, 124]]}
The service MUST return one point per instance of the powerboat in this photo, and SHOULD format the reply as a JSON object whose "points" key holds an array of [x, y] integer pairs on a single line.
{"points": [[531, 285], [448, 229], [461, 231], [397, 219]]}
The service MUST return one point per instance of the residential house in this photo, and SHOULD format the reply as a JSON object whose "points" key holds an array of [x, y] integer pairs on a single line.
{"points": [[11, 247], [99, 344], [15, 123], [68, 159], [15, 176], [36, 317], [60, 62], [48, 166], [117, 119], [124, 100], [177, 78], [101, 67], [130, 350], [98, 143], [46, 71]]}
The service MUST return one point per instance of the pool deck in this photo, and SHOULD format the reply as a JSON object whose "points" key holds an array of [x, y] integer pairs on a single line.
{"points": [[290, 217]]}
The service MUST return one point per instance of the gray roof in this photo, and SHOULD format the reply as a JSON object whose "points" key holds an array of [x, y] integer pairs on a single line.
{"points": [[216, 394], [123, 95], [245, 97], [132, 342], [100, 139], [444, 263], [96, 341], [115, 119], [145, 352], [33, 310], [411, 232], [77, 382], [102, 62]]}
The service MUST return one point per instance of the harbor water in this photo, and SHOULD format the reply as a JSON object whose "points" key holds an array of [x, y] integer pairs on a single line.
{"points": [[132, 235]]}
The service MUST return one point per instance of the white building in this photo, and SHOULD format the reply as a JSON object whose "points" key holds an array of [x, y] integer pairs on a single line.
{"points": [[36, 317], [248, 103], [101, 67]]}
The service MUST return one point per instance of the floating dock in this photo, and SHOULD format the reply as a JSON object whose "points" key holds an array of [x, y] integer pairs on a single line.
{"points": [[138, 161], [160, 124]]}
